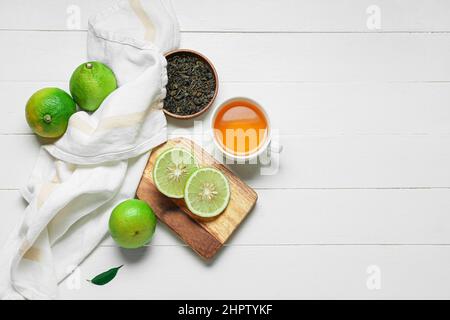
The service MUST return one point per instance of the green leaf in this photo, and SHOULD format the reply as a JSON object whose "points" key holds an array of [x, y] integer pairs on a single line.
{"points": [[105, 277]]}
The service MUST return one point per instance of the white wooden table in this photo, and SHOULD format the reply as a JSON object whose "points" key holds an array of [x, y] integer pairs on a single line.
{"points": [[360, 207]]}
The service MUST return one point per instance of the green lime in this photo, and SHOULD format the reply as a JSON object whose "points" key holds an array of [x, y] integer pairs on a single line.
{"points": [[91, 83], [48, 111], [207, 192], [132, 223], [171, 170]]}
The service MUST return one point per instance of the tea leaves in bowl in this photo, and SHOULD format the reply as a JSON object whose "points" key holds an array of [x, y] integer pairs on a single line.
{"points": [[191, 84]]}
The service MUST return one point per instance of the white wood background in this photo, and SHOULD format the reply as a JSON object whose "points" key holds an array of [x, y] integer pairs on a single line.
{"points": [[364, 118]]}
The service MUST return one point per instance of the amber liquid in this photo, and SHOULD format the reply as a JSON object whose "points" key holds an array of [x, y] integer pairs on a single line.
{"points": [[241, 127]]}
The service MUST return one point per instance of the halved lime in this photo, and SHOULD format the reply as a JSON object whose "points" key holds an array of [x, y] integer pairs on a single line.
{"points": [[172, 169], [207, 192]]}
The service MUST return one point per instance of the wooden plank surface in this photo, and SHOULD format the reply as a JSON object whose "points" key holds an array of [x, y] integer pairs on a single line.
{"points": [[246, 16], [337, 217], [313, 108], [328, 161], [269, 272], [262, 57], [191, 230], [367, 137]]}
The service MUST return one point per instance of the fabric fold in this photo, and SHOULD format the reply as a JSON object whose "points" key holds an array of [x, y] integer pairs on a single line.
{"points": [[98, 163]]}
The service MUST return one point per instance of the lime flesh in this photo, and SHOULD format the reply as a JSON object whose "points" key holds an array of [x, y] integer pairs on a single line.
{"points": [[171, 171], [207, 192], [132, 224]]}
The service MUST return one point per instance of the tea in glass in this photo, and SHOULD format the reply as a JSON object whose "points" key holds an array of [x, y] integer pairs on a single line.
{"points": [[240, 126]]}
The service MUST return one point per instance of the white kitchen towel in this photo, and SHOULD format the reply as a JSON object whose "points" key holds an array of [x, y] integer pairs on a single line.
{"points": [[98, 162]]}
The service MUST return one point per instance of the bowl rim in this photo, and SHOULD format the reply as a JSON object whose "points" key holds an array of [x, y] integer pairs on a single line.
{"points": [[216, 78]]}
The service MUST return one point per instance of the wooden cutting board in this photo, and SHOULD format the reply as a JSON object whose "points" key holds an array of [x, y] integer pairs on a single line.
{"points": [[204, 237]]}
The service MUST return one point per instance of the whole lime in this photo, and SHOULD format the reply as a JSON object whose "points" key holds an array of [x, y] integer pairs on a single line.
{"points": [[91, 83], [48, 111], [132, 223]]}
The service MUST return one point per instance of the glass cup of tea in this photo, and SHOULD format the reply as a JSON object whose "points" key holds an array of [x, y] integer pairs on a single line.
{"points": [[241, 129]]}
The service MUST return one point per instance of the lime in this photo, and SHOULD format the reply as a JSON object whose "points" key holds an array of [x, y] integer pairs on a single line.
{"points": [[91, 83], [132, 223], [207, 192], [48, 111], [171, 170]]}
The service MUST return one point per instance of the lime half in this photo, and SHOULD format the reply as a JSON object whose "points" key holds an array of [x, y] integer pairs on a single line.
{"points": [[207, 192], [171, 171]]}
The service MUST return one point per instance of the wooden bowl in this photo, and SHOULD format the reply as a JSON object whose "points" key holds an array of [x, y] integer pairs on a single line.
{"points": [[216, 79]]}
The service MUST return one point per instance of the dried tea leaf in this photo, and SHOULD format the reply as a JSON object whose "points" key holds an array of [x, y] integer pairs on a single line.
{"points": [[191, 85]]}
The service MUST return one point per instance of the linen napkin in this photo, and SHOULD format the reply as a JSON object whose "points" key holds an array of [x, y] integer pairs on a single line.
{"points": [[79, 179]]}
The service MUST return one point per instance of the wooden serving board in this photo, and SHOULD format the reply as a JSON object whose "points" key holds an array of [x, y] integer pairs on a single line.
{"points": [[204, 237]]}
